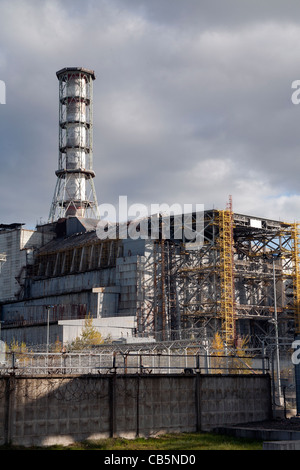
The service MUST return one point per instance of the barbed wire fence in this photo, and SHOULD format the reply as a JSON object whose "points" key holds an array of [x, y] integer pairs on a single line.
{"points": [[33, 363], [167, 357]]}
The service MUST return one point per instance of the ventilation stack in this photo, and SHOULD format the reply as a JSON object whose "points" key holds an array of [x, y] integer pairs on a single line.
{"points": [[74, 193]]}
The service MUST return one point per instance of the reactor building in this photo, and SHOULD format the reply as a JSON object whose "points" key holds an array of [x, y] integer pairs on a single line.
{"points": [[241, 280]]}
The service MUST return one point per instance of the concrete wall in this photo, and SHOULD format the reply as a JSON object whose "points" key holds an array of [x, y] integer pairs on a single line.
{"points": [[126, 279], [50, 409], [233, 399], [17, 245], [31, 312], [66, 331], [32, 335], [72, 283], [72, 297], [113, 327]]}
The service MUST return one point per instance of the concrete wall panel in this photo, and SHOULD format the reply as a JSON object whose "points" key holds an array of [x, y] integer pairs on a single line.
{"points": [[46, 410]]}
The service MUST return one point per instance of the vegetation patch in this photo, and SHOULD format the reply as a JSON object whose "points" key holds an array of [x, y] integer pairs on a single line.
{"points": [[170, 442]]}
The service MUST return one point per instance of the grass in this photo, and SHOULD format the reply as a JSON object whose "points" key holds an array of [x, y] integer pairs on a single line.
{"points": [[170, 442]]}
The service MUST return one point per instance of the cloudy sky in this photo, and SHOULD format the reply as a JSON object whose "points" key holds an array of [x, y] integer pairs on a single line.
{"points": [[192, 102]]}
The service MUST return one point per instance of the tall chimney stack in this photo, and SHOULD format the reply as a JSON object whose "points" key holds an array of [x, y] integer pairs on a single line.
{"points": [[75, 193]]}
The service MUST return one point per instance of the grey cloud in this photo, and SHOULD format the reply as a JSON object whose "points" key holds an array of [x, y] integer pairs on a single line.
{"points": [[191, 101]]}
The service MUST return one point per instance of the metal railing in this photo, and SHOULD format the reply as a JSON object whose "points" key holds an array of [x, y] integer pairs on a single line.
{"points": [[33, 363]]}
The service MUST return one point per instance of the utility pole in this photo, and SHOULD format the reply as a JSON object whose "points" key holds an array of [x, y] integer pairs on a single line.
{"points": [[275, 321], [48, 328]]}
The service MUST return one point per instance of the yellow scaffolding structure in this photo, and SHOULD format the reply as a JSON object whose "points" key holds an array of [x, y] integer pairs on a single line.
{"points": [[295, 236], [227, 301]]}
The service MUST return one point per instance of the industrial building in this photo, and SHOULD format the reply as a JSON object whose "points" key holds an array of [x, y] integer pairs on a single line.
{"points": [[242, 279]]}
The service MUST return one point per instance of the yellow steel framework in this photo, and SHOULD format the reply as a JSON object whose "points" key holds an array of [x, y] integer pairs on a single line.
{"points": [[295, 236], [225, 242]]}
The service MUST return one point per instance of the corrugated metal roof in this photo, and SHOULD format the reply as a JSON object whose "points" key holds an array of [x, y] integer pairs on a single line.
{"points": [[63, 244]]}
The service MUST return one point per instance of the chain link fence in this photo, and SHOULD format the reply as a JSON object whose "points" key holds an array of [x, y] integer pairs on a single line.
{"points": [[185, 361], [31, 363]]}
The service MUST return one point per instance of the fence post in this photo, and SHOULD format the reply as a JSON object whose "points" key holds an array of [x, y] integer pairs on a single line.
{"points": [[125, 362], [13, 361], [206, 361], [263, 357], [112, 404], [138, 407], [198, 401], [140, 363], [198, 363]]}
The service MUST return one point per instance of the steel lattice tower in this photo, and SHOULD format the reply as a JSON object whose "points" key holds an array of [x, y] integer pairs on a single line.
{"points": [[74, 193]]}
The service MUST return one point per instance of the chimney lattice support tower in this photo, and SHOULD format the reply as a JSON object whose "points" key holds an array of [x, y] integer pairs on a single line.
{"points": [[75, 193]]}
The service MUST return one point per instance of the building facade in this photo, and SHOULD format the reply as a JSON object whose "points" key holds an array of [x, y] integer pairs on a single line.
{"points": [[239, 281]]}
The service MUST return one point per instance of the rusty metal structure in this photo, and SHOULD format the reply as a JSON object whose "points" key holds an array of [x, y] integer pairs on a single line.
{"points": [[247, 268]]}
